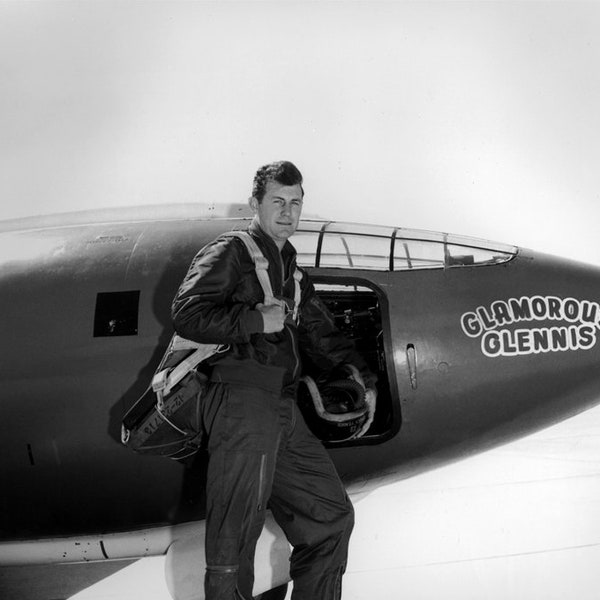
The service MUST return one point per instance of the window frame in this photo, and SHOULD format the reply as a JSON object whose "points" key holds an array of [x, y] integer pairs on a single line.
{"points": [[499, 253]]}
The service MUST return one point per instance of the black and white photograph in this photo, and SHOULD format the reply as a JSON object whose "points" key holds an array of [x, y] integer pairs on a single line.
{"points": [[299, 300]]}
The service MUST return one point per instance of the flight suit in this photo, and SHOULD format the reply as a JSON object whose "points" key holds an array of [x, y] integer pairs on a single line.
{"points": [[261, 452]]}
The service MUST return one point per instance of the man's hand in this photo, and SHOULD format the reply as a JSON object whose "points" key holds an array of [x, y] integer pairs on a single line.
{"points": [[273, 317]]}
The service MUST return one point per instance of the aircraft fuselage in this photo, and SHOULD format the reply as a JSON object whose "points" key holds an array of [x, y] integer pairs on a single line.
{"points": [[471, 355]]}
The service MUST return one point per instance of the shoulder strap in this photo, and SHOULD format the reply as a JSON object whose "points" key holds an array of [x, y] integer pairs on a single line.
{"points": [[261, 264], [297, 292], [166, 378]]}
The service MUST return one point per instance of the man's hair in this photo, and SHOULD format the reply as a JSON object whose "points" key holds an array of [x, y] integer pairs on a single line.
{"points": [[283, 172]]}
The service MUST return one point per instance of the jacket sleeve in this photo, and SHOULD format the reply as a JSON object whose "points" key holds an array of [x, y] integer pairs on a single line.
{"points": [[203, 309], [322, 342]]}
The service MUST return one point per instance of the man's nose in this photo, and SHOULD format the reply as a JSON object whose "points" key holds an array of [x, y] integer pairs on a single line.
{"points": [[286, 209]]}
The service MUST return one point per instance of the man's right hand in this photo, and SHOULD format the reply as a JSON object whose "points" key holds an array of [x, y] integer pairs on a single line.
{"points": [[273, 317]]}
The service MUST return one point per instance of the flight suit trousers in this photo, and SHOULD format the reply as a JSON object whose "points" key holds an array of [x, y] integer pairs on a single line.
{"points": [[261, 452]]}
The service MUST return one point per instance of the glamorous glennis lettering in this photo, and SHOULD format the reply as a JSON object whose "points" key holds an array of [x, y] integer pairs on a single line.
{"points": [[533, 325]]}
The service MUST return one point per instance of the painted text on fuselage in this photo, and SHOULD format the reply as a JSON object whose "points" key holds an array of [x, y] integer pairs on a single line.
{"points": [[575, 328]]}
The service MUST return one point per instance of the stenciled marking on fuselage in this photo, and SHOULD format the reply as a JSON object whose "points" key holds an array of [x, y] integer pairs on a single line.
{"points": [[578, 331]]}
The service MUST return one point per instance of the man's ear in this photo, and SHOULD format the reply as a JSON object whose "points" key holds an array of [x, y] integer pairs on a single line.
{"points": [[253, 203]]}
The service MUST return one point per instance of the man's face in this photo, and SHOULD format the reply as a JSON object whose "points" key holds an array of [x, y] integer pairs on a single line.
{"points": [[279, 212]]}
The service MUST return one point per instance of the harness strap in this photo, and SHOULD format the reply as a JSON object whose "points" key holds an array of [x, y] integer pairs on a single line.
{"points": [[297, 292], [165, 379], [261, 264]]}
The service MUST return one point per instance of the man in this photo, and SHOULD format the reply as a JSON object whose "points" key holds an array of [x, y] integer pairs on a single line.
{"points": [[260, 449]]}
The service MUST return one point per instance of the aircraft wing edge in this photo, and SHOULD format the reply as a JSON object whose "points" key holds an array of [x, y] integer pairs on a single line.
{"points": [[112, 546]]}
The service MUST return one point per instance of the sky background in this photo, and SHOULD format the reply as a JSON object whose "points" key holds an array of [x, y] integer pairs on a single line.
{"points": [[472, 118]]}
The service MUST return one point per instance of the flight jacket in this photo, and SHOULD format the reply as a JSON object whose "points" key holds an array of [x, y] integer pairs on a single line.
{"points": [[216, 303]]}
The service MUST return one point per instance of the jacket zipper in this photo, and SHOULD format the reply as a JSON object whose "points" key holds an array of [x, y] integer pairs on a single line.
{"points": [[287, 326], [281, 273]]}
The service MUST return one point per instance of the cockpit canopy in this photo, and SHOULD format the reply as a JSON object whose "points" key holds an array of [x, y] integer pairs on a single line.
{"points": [[329, 244]]}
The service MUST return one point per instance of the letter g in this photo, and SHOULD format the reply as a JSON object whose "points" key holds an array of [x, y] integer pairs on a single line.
{"points": [[471, 324]]}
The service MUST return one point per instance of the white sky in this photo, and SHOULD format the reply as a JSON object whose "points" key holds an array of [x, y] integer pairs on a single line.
{"points": [[473, 118]]}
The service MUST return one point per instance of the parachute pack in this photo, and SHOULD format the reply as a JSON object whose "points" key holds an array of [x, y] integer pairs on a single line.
{"points": [[167, 419]]}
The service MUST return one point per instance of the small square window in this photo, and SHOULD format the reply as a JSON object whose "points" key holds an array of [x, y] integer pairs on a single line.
{"points": [[116, 313]]}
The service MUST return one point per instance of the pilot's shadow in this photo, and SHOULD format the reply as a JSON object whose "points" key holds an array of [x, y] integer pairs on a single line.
{"points": [[192, 498], [161, 307]]}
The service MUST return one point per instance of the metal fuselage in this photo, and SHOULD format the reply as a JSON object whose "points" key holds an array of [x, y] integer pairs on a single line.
{"points": [[461, 377]]}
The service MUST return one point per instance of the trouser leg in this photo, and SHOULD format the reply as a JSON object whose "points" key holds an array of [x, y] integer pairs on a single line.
{"points": [[310, 504], [243, 437]]}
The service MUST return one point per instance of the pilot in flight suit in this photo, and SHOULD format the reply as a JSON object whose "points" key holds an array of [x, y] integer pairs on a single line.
{"points": [[260, 449]]}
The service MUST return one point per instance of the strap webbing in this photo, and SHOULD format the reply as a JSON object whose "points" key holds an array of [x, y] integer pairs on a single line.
{"points": [[261, 264], [297, 292], [165, 379]]}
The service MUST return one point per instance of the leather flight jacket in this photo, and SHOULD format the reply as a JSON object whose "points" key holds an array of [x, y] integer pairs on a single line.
{"points": [[216, 303]]}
